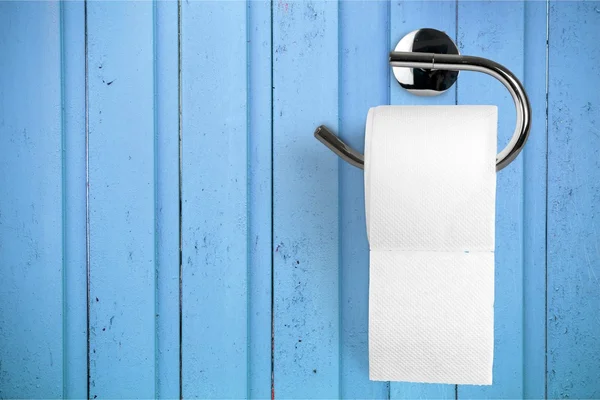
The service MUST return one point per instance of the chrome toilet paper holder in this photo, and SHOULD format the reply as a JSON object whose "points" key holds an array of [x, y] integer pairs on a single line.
{"points": [[426, 62]]}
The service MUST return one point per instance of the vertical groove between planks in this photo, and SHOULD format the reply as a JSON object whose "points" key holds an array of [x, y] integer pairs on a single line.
{"points": [[155, 194], [63, 201], [248, 204], [339, 202], [73, 199], [272, 214], [167, 201], [180, 134], [87, 192], [534, 203], [546, 205]]}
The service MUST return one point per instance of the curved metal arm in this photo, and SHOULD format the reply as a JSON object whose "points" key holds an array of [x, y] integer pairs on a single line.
{"points": [[453, 63]]}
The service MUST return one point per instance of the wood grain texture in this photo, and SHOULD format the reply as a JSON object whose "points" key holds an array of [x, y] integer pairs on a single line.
{"points": [[121, 199], [573, 201], [305, 201], [495, 30], [364, 83], [214, 199], [407, 17], [31, 221]]}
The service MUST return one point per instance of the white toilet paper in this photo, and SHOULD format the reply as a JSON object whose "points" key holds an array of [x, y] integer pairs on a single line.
{"points": [[430, 187]]}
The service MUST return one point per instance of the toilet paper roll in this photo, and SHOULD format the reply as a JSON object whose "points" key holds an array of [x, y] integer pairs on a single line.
{"points": [[430, 188]]}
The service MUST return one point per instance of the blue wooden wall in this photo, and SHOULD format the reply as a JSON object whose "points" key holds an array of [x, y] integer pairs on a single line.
{"points": [[169, 227]]}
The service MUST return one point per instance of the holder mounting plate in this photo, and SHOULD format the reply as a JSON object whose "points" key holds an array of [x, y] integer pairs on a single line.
{"points": [[426, 82]]}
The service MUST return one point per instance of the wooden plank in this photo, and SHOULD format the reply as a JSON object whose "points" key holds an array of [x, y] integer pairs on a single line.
{"points": [[121, 199], [406, 17], [534, 208], [573, 197], [495, 30], [364, 83], [214, 199], [259, 198], [305, 208], [31, 225], [74, 212], [166, 75]]}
